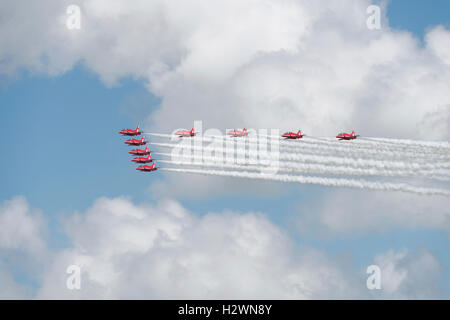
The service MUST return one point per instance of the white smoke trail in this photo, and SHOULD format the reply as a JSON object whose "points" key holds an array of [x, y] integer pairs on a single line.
{"points": [[407, 142], [371, 153], [364, 144], [324, 149], [307, 168], [337, 182], [375, 149], [162, 135], [331, 160], [349, 144]]}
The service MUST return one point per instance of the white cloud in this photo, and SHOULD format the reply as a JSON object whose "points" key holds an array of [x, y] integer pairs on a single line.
{"points": [[438, 40], [23, 247], [21, 228], [9, 287], [410, 275], [188, 186], [360, 212], [164, 251], [278, 64], [256, 63], [128, 251]]}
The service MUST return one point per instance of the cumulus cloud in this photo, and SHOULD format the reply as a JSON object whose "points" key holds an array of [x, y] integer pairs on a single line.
{"points": [[274, 64], [438, 40], [23, 247], [259, 63], [9, 287], [410, 275], [359, 212], [21, 228], [203, 187], [163, 251], [247, 63]]}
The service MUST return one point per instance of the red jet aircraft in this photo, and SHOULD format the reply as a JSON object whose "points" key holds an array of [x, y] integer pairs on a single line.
{"points": [[147, 168], [135, 142], [185, 133], [238, 133], [347, 136], [131, 132], [293, 135], [140, 152], [142, 159]]}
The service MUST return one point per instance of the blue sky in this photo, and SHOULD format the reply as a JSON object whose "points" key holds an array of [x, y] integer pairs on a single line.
{"points": [[61, 151], [418, 16]]}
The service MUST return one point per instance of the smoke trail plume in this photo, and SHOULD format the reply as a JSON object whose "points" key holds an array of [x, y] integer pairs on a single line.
{"points": [[337, 182]]}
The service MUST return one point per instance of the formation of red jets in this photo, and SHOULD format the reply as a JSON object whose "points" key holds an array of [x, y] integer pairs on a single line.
{"points": [[144, 157], [292, 135], [140, 159]]}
